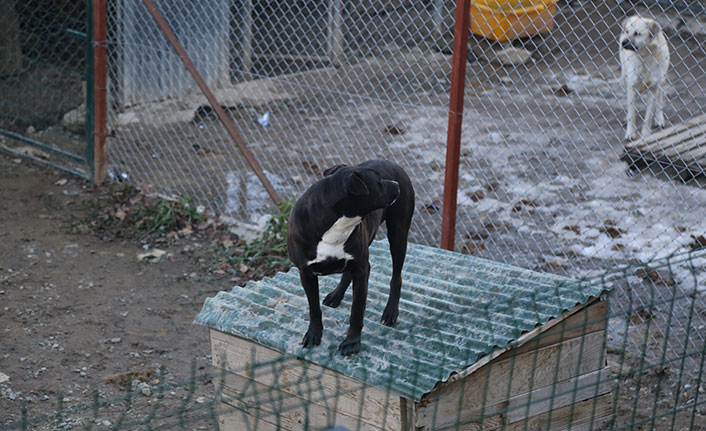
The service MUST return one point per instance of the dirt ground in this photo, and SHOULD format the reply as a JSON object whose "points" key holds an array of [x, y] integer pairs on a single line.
{"points": [[80, 316], [79, 312]]}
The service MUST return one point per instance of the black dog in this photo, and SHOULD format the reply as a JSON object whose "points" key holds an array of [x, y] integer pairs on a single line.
{"points": [[330, 228]]}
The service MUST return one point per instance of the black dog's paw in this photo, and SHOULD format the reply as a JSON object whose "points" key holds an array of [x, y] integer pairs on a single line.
{"points": [[312, 337], [389, 316], [349, 346], [333, 299]]}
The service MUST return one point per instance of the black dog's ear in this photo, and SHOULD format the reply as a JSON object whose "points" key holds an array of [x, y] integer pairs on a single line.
{"points": [[355, 185], [332, 170]]}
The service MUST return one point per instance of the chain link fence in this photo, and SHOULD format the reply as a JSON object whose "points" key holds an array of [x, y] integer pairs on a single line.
{"points": [[45, 82], [314, 84], [629, 379]]}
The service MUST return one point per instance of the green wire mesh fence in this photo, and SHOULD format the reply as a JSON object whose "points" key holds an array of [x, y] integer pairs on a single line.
{"points": [[616, 363], [45, 82]]}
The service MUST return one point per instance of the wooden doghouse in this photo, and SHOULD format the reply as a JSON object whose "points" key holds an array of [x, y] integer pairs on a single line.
{"points": [[479, 345]]}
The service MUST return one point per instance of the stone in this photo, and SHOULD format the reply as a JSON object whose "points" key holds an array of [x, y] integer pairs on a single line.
{"points": [[75, 120]]}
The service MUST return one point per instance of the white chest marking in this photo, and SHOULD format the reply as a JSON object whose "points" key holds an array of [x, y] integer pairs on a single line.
{"points": [[332, 241]]}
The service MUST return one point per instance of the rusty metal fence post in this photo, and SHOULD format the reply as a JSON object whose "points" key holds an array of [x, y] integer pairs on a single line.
{"points": [[453, 138], [100, 74]]}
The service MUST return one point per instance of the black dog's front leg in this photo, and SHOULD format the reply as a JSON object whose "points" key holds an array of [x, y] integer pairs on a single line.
{"points": [[310, 282], [351, 344], [334, 298]]}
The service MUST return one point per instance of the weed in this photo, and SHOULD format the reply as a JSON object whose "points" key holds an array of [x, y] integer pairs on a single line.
{"points": [[122, 211], [166, 216], [269, 250]]}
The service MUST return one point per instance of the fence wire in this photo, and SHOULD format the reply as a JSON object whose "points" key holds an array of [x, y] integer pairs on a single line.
{"points": [[314, 84], [597, 369], [45, 78]]}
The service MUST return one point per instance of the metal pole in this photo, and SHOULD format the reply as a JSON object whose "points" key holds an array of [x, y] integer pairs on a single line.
{"points": [[100, 71], [230, 127], [453, 138]]}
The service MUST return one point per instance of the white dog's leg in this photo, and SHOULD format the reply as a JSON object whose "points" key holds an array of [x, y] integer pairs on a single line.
{"points": [[659, 108], [631, 130], [650, 111]]}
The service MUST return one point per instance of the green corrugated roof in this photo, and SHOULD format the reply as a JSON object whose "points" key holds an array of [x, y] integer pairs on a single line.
{"points": [[455, 308]]}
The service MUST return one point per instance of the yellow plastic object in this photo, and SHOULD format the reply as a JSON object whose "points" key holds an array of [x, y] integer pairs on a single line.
{"points": [[503, 20]]}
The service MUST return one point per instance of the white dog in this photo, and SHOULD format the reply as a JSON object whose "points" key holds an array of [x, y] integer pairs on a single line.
{"points": [[644, 61]]}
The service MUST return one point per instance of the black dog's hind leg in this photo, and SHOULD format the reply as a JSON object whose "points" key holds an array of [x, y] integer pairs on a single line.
{"points": [[397, 236], [351, 344], [310, 282], [334, 298]]}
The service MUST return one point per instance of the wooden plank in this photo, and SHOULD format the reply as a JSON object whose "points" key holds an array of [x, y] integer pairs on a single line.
{"points": [[565, 393], [693, 152], [682, 146], [666, 145], [596, 425], [686, 155], [230, 419], [488, 423], [408, 412], [592, 389], [687, 143], [289, 411], [520, 341], [499, 381], [664, 133], [591, 319], [595, 411], [235, 354], [696, 157], [640, 144], [674, 154]]}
